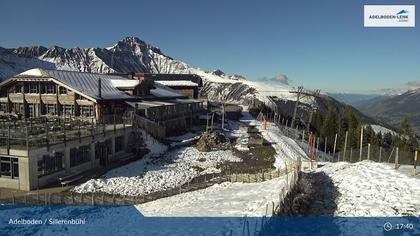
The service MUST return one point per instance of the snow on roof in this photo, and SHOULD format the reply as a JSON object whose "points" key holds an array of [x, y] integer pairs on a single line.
{"points": [[86, 83], [186, 83], [148, 104], [33, 72], [120, 83], [163, 91]]}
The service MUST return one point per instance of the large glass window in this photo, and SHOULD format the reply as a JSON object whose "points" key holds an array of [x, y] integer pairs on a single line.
{"points": [[87, 111], [32, 109], [50, 164], [79, 155], [33, 88], [3, 107], [18, 88], [50, 109], [18, 108], [63, 90], [9, 167], [49, 88], [67, 110]]}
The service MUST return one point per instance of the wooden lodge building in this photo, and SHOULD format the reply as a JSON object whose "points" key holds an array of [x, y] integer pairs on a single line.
{"points": [[56, 125]]}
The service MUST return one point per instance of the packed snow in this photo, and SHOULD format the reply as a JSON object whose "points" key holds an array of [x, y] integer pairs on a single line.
{"points": [[158, 170], [152, 175], [373, 189], [225, 199]]}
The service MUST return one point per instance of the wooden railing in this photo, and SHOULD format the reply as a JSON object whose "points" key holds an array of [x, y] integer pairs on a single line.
{"points": [[155, 129]]}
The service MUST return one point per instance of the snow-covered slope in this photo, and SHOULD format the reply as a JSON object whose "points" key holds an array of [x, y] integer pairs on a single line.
{"points": [[134, 55], [380, 129], [373, 189], [225, 199]]}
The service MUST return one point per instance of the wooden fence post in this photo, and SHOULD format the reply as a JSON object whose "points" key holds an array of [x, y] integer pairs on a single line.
{"points": [[415, 164], [325, 144], [345, 146], [335, 144], [396, 158], [380, 154], [361, 144], [368, 156]]}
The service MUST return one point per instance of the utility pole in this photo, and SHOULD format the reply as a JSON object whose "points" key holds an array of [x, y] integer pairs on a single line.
{"points": [[299, 91]]}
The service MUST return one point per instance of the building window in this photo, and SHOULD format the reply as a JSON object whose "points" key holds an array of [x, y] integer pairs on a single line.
{"points": [[33, 88], [119, 143], [79, 155], [18, 89], [80, 97], [33, 110], [67, 110], [17, 108], [9, 167], [87, 111], [50, 109], [63, 90], [50, 88], [50, 164], [3, 107]]}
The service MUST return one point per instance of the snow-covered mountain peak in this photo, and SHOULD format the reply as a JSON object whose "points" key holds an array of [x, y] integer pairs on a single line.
{"points": [[132, 54], [134, 44]]}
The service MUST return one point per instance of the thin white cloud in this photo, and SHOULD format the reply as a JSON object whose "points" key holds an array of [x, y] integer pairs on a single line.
{"points": [[279, 78], [413, 84]]}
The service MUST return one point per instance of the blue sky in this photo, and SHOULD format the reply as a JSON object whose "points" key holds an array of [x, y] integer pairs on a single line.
{"points": [[318, 44]]}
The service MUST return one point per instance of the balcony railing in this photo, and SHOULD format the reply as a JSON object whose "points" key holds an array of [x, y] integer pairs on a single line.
{"points": [[48, 131]]}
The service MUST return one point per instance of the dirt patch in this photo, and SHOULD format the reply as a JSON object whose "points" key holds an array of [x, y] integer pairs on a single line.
{"points": [[260, 157]]}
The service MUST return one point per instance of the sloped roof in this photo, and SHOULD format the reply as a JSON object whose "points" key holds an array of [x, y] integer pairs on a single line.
{"points": [[177, 83], [163, 91], [85, 83]]}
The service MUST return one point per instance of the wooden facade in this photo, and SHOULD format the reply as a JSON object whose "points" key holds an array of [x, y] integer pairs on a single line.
{"points": [[35, 98]]}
